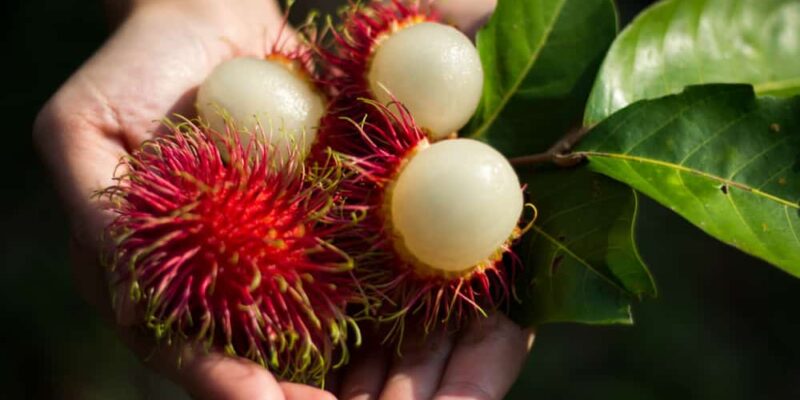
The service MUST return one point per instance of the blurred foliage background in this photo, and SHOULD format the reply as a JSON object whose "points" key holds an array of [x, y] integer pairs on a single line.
{"points": [[725, 326]]}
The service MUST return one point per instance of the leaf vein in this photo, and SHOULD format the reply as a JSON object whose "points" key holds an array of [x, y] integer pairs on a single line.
{"points": [[580, 260], [714, 134], [757, 156], [753, 233], [521, 78], [791, 225], [704, 174], [773, 176]]}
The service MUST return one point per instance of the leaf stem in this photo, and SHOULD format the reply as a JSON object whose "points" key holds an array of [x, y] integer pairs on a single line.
{"points": [[559, 154]]}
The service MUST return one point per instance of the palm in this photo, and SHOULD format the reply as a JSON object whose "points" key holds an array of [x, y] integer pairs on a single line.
{"points": [[146, 71]]}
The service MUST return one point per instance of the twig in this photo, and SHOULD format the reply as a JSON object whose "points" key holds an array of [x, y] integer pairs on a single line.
{"points": [[559, 154]]}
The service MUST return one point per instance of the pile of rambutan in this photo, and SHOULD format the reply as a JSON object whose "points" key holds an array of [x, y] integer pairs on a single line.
{"points": [[321, 189]]}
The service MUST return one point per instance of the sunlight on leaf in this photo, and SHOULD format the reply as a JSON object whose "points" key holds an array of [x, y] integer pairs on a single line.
{"points": [[717, 155], [540, 58], [676, 43]]}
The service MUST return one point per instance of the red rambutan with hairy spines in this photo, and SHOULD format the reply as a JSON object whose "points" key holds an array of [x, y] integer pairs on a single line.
{"points": [[355, 41], [347, 60], [408, 286], [297, 49], [394, 51], [235, 254]]}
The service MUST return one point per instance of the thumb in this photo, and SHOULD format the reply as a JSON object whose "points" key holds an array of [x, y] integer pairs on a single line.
{"points": [[205, 375]]}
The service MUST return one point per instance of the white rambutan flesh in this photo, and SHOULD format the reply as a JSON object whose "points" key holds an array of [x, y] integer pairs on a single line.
{"points": [[255, 92], [455, 204], [434, 70]]}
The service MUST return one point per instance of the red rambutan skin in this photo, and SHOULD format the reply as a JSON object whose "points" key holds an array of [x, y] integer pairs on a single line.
{"points": [[297, 57], [347, 59], [374, 142], [234, 254], [385, 141], [363, 27]]}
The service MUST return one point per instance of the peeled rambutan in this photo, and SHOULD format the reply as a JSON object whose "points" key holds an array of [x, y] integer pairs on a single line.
{"points": [[390, 51], [277, 91], [233, 254], [438, 221]]}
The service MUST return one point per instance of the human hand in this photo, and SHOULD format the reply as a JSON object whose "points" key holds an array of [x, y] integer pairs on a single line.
{"points": [[467, 15], [479, 363], [149, 69]]}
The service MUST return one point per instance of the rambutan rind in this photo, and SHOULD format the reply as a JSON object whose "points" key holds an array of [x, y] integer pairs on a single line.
{"points": [[234, 254], [362, 29], [347, 58], [404, 287]]}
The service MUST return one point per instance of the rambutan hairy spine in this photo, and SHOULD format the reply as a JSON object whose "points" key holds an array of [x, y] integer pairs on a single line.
{"points": [[383, 143], [346, 59], [353, 44], [401, 51], [277, 90], [235, 254]]}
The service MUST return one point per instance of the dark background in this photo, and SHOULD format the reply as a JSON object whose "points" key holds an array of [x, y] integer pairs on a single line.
{"points": [[725, 325]]}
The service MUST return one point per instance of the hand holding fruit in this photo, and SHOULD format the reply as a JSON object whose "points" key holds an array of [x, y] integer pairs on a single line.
{"points": [[149, 69]]}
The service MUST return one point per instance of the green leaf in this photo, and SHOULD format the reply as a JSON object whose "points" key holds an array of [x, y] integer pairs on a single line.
{"points": [[677, 43], [717, 155], [539, 58], [580, 254]]}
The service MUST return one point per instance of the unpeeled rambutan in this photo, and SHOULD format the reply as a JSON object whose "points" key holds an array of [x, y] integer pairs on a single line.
{"points": [[438, 220], [234, 254]]}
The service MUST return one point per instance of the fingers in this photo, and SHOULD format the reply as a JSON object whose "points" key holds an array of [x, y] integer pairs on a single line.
{"points": [[416, 373], [215, 376], [207, 375], [481, 364], [363, 379], [486, 360], [296, 391], [467, 15]]}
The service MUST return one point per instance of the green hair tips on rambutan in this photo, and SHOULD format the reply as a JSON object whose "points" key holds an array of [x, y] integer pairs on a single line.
{"points": [[232, 253]]}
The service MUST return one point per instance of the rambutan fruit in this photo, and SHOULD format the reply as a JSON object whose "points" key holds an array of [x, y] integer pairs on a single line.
{"points": [[392, 51], [439, 221], [233, 254], [277, 91]]}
